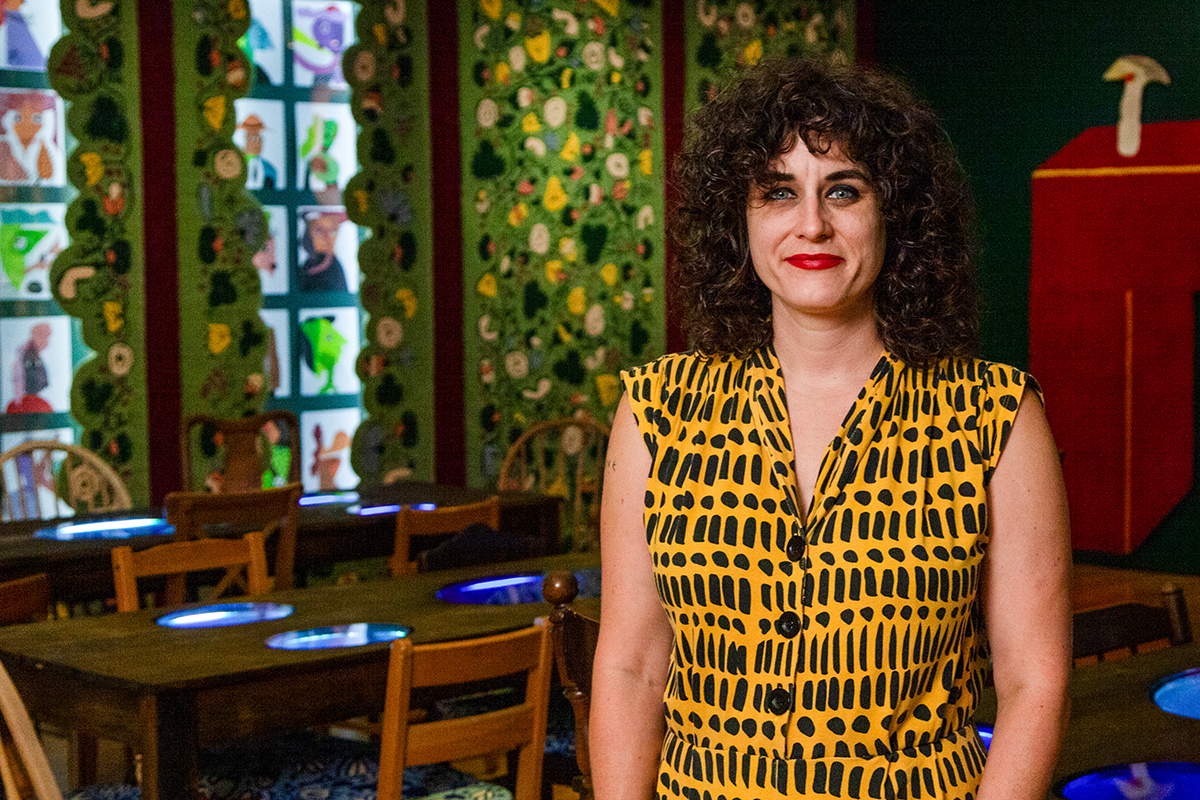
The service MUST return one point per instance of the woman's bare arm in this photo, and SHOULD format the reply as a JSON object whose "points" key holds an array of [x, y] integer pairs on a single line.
{"points": [[634, 650], [1026, 597]]}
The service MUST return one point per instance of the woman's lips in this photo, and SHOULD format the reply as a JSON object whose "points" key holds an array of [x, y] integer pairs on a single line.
{"points": [[815, 261]]}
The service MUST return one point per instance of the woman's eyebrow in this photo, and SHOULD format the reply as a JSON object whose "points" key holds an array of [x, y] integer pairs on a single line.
{"points": [[848, 175]]}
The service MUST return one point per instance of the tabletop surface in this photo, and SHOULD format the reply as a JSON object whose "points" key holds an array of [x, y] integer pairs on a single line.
{"points": [[131, 650], [1113, 717]]}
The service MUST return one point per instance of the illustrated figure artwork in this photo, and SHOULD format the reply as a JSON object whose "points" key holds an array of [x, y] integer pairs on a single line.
{"points": [[262, 41], [29, 374], [277, 359], [321, 32], [325, 449], [328, 460], [260, 173], [36, 364], [30, 238], [320, 269], [31, 138], [325, 154], [26, 32], [271, 260], [320, 167], [322, 348]]}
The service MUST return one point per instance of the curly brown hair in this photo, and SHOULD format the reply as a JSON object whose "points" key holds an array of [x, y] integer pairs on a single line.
{"points": [[926, 296]]}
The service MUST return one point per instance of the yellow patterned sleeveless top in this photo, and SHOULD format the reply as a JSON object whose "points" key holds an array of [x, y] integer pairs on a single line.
{"points": [[839, 655]]}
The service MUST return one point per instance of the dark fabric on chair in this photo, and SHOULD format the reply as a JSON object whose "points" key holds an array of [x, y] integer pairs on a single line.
{"points": [[478, 544]]}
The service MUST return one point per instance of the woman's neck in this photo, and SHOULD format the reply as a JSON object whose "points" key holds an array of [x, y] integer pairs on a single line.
{"points": [[827, 354]]}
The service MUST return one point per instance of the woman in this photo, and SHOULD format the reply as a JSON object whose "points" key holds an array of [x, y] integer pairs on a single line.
{"points": [[821, 483]]}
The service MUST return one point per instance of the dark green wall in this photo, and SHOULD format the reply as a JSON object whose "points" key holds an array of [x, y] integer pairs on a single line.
{"points": [[1014, 82]]}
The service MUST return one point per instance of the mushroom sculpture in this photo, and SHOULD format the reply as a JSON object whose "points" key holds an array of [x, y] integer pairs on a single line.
{"points": [[1136, 71]]}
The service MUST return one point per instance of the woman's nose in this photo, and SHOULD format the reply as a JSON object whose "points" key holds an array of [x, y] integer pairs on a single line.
{"points": [[812, 222]]}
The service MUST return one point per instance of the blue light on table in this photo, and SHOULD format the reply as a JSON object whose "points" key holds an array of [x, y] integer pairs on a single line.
{"points": [[390, 508], [1179, 693], [107, 529], [224, 614], [985, 733], [370, 511], [503, 590], [1174, 779], [328, 499], [354, 635]]}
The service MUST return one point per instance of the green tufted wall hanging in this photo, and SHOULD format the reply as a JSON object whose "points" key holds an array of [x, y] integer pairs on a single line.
{"points": [[562, 210], [220, 225], [723, 36], [388, 73], [98, 278]]}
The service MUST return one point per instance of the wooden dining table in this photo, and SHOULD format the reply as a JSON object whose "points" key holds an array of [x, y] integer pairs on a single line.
{"points": [[170, 692], [81, 570], [1114, 719]]}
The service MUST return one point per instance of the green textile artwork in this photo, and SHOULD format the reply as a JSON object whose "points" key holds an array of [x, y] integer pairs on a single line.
{"points": [[563, 185], [221, 225], [723, 36], [98, 278], [388, 73]]}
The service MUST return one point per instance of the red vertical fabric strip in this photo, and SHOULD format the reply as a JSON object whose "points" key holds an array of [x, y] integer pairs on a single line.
{"points": [[674, 58], [450, 459], [157, 61]]}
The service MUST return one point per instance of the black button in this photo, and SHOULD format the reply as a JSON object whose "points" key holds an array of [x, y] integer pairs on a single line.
{"points": [[788, 624], [795, 548], [779, 701]]}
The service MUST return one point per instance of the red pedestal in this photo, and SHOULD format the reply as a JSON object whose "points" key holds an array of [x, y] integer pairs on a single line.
{"points": [[1116, 262]]}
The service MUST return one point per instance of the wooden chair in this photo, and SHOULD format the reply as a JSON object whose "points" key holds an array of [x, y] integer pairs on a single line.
{"points": [[236, 454], [575, 637], [520, 727], [1129, 628], [176, 559], [562, 458], [276, 510], [25, 599], [24, 771], [412, 522], [45, 479]]}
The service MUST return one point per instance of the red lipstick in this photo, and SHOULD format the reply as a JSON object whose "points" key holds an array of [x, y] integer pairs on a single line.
{"points": [[814, 261]]}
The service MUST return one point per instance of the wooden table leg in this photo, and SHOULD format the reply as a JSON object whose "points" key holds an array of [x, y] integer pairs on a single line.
{"points": [[170, 755]]}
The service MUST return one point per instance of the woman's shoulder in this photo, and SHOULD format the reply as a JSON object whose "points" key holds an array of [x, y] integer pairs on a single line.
{"points": [[979, 372]]}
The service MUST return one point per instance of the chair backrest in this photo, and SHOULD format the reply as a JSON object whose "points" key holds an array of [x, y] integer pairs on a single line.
{"points": [[241, 455], [44, 479], [1130, 628], [24, 770], [195, 514], [176, 560], [562, 458], [521, 727], [25, 599], [411, 522], [575, 637]]}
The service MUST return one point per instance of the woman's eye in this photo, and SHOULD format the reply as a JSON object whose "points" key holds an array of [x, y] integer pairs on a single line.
{"points": [[843, 192], [778, 193]]}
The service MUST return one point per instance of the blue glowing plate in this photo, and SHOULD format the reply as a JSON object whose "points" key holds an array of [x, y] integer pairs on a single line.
{"points": [[1174, 779], [354, 635], [1179, 693], [329, 499], [222, 614], [107, 529], [385, 508], [506, 590]]}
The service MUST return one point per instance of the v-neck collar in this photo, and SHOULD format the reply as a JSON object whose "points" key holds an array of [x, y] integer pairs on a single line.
{"points": [[764, 381]]}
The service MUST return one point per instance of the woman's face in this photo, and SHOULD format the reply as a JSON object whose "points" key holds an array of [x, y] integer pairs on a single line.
{"points": [[816, 235]]}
